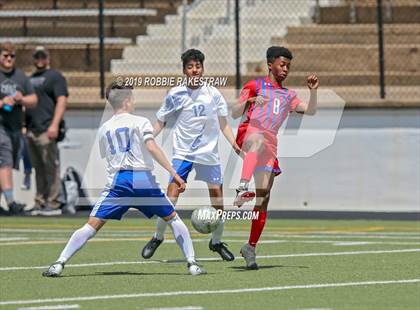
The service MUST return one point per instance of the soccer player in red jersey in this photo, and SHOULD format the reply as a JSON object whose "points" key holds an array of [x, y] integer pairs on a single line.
{"points": [[264, 104]]}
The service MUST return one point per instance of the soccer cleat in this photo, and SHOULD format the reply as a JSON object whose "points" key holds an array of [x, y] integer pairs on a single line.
{"points": [[54, 270], [223, 251], [195, 270], [150, 247], [16, 208], [243, 195], [248, 253]]}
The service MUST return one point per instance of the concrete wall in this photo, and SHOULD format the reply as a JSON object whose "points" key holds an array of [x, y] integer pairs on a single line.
{"points": [[372, 165]]}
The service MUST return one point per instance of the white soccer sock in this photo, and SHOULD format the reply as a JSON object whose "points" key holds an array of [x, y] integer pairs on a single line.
{"points": [[160, 228], [182, 237], [216, 236], [76, 242]]}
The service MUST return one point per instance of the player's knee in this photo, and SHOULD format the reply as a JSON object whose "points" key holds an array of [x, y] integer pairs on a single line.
{"points": [[170, 216]]}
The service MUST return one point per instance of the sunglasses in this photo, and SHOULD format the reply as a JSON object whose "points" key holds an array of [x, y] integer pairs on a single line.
{"points": [[12, 56]]}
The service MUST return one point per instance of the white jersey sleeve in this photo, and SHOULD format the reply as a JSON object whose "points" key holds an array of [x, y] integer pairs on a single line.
{"points": [[219, 100], [102, 143], [146, 131], [170, 105]]}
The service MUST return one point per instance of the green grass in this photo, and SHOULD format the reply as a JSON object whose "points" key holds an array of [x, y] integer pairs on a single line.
{"points": [[41, 240]]}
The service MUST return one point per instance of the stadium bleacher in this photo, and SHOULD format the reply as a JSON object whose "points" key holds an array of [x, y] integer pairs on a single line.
{"points": [[144, 37]]}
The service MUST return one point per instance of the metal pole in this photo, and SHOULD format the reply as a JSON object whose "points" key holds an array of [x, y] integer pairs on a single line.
{"points": [[101, 49], [381, 49], [184, 26], [238, 46]]}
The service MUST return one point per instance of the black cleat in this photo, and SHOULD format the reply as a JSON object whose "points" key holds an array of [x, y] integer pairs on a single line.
{"points": [[223, 251], [16, 208], [150, 247]]}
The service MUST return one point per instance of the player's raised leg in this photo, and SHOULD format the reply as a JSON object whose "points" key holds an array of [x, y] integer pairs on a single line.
{"points": [[253, 145], [216, 244], [264, 183], [75, 243]]}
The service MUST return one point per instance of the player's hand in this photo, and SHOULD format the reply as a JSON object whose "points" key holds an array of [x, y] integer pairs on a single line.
{"points": [[257, 100], [18, 97], [238, 150], [52, 132], [180, 182], [312, 81]]}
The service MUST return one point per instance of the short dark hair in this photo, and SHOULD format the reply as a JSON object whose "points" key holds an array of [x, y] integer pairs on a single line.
{"points": [[192, 54], [117, 92], [274, 52], [7, 47]]}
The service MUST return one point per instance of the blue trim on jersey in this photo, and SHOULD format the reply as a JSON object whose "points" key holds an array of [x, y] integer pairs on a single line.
{"points": [[262, 107], [270, 103], [276, 91], [133, 189], [208, 173]]}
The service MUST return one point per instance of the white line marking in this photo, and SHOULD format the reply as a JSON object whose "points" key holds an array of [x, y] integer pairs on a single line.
{"points": [[315, 234], [51, 307], [227, 291], [347, 243], [13, 238], [52, 240], [216, 259], [178, 308]]}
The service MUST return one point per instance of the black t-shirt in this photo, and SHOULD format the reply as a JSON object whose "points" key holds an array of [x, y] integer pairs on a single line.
{"points": [[49, 85], [11, 82]]}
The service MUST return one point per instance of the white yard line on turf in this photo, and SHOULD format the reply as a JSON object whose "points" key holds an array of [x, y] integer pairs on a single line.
{"points": [[226, 291], [217, 259], [178, 308], [13, 238], [315, 234], [51, 307], [13, 241]]}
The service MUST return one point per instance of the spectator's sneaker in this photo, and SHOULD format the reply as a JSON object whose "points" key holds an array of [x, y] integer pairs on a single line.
{"points": [[195, 269], [54, 270], [35, 210], [150, 247], [243, 195], [48, 211], [248, 253], [16, 208], [26, 184], [223, 251]]}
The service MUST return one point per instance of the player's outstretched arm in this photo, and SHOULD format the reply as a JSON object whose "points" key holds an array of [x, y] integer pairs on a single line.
{"points": [[160, 157], [310, 107], [228, 133], [157, 127]]}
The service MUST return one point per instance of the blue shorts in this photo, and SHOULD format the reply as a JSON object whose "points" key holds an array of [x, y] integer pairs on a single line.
{"points": [[208, 173], [132, 189]]}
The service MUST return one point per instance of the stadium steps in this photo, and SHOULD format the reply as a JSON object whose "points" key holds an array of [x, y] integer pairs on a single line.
{"points": [[70, 29], [84, 4], [349, 57], [209, 31], [71, 56], [328, 79], [350, 34], [400, 12], [362, 97]]}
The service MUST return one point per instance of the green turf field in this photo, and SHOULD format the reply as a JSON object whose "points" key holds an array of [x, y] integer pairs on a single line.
{"points": [[304, 264]]}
